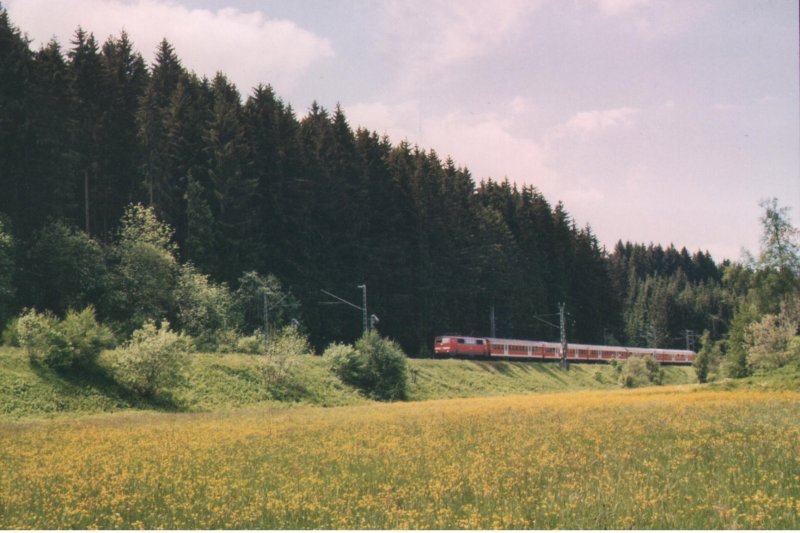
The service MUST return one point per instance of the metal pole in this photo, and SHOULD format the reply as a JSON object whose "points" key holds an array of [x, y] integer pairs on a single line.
{"points": [[492, 322], [266, 322], [363, 288], [563, 323]]}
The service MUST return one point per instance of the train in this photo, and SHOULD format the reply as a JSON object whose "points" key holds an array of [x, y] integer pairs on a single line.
{"points": [[515, 349]]}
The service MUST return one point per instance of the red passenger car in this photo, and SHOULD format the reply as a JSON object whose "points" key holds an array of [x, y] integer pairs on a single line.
{"points": [[462, 346]]}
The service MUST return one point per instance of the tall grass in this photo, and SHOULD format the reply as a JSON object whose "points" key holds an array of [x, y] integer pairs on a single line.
{"points": [[655, 458]]}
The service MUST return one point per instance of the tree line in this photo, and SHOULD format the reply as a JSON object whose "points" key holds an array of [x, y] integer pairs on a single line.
{"points": [[245, 186]]}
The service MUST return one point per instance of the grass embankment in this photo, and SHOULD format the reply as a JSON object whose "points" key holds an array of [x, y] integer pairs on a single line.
{"points": [[222, 382], [668, 458]]}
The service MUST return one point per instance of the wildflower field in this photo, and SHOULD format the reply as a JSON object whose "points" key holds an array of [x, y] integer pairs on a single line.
{"points": [[657, 458]]}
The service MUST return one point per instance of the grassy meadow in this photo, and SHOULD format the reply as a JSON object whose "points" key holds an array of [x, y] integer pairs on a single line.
{"points": [[666, 458]]}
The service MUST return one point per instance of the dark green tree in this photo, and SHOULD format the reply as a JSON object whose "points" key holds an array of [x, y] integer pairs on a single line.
{"points": [[126, 78], [227, 159], [64, 269], [90, 87], [7, 267]]}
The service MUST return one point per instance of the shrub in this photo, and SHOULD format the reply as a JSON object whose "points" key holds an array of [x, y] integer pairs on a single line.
{"points": [[154, 358], [75, 342], [769, 342], [40, 338], [640, 372], [204, 308], [252, 344], [145, 270], [288, 342], [249, 302], [280, 360], [654, 371], [277, 370], [376, 366], [84, 336], [10, 335], [345, 362]]}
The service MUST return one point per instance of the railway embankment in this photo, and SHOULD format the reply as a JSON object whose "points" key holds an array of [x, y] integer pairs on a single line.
{"points": [[231, 381]]}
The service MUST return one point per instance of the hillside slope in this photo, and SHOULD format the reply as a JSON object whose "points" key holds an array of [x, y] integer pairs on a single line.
{"points": [[223, 382]]}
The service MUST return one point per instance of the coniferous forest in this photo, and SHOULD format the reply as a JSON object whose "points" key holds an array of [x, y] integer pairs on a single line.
{"points": [[252, 188]]}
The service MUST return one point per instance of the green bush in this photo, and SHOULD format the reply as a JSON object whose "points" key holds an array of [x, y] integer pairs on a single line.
{"points": [[345, 362], [10, 335], [288, 342], [654, 371], [280, 361], [75, 342], [252, 344], [375, 365], [7, 268], [84, 337], [154, 358], [641, 372], [769, 342], [205, 309], [39, 336]]}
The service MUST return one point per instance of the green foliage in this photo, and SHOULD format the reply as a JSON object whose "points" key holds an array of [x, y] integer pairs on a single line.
{"points": [[654, 371], [780, 241], [84, 337], [771, 341], [154, 358], [377, 366], [41, 340], [767, 316], [10, 335], [288, 342], [703, 360], [278, 372], [640, 372], [65, 268], [75, 342], [145, 270], [7, 263], [248, 301], [278, 365], [139, 224], [205, 309], [252, 344], [735, 364], [345, 362]]}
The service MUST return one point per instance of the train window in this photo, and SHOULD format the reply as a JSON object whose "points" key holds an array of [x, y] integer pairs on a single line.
{"points": [[479, 341], [441, 340], [461, 341]]}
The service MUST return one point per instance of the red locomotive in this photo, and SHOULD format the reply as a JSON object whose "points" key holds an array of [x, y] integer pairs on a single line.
{"points": [[460, 346]]}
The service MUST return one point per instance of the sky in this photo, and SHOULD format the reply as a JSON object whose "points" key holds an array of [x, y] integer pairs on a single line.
{"points": [[653, 121]]}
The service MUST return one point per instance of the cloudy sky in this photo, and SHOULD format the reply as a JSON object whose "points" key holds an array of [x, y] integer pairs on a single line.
{"points": [[661, 121]]}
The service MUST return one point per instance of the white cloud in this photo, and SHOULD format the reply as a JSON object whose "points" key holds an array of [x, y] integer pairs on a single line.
{"points": [[585, 123], [485, 143], [520, 105], [248, 47], [482, 142], [395, 120], [432, 35], [618, 7], [653, 19]]}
